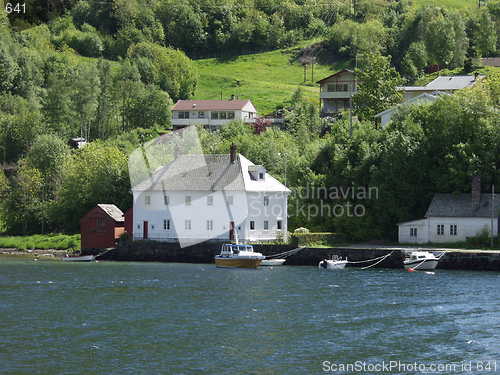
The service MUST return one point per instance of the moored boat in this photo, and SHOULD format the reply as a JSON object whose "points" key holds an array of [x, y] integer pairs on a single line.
{"points": [[239, 256], [334, 263], [84, 258], [421, 260], [273, 262]]}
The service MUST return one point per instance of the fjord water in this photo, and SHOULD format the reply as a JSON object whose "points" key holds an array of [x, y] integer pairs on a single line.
{"points": [[159, 318]]}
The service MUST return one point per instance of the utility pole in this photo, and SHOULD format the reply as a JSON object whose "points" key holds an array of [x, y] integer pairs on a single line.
{"points": [[492, 212]]}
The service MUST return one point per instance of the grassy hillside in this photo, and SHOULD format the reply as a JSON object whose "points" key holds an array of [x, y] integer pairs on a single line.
{"points": [[266, 78], [453, 4]]}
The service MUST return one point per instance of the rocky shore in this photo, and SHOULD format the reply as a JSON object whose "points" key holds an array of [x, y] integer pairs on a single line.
{"points": [[35, 253]]}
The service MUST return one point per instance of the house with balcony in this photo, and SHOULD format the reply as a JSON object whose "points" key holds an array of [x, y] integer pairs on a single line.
{"points": [[336, 92], [212, 114], [210, 197]]}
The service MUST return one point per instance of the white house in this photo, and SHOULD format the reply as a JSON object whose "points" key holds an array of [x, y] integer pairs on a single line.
{"points": [[446, 84], [212, 113], [196, 198], [453, 218], [336, 92], [385, 117]]}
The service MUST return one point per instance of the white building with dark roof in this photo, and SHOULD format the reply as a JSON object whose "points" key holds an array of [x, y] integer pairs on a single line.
{"points": [[446, 84], [212, 113], [223, 197], [454, 218]]}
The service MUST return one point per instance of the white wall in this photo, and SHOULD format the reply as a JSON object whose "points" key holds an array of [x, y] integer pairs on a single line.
{"points": [[239, 115], [427, 229], [245, 208]]}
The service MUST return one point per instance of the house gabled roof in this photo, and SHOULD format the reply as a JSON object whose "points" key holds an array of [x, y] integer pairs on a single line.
{"points": [[210, 105], [445, 83], [210, 172], [114, 212], [460, 205], [425, 97], [335, 74]]}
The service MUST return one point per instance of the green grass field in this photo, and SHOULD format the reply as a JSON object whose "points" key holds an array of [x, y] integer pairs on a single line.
{"points": [[266, 78], [42, 242], [452, 4]]}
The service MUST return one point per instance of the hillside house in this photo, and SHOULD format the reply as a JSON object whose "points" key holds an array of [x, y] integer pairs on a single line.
{"points": [[212, 113], [446, 84], [453, 218], [336, 92], [101, 227], [210, 197]]}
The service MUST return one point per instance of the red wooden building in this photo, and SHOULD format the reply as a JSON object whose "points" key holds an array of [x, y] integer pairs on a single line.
{"points": [[101, 227]]}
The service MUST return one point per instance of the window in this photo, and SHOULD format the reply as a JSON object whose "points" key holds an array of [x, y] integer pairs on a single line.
{"points": [[187, 224], [440, 229], [210, 224], [279, 225], [222, 115], [188, 200], [210, 200], [266, 200], [261, 176], [453, 230], [201, 114], [183, 115], [147, 200], [166, 200], [252, 225], [266, 225], [413, 232], [215, 115], [230, 115], [336, 87], [230, 199], [166, 224]]}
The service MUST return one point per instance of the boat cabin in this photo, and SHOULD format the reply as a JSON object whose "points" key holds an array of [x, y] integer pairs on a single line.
{"points": [[418, 256], [230, 249]]}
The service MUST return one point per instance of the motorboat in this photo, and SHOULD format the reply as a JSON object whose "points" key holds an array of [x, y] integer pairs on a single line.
{"points": [[84, 258], [420, 260], [334, 263], [273, 262], [239, 256]]}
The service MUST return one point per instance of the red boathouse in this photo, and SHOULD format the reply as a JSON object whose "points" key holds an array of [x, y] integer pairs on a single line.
{"points": [[101, 227]]}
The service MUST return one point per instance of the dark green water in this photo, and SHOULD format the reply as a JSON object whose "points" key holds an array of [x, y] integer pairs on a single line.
{"points": [[154, 318]]}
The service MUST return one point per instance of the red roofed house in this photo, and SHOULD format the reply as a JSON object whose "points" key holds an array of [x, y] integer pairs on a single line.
{"points": [[101, 227], [212, 113]]}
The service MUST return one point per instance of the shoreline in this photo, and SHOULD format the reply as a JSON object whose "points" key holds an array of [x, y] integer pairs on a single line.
{"points": [[46, 254]]}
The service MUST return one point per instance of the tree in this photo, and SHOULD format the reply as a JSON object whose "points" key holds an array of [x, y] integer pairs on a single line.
{"points": [[377, 86], [86, 86]]}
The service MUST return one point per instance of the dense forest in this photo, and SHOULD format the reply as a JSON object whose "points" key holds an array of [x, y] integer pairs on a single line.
{"points": [[109, 71]]}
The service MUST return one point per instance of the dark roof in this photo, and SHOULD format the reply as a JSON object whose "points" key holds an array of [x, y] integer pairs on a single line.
{"points": [[208, 105], [114, 212], [197, 172], [460, 205], [334, 74]]}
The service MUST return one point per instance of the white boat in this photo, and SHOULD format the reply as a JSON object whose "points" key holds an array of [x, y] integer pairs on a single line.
{"points": [[420, 260], [84, 258], [272, 262], [334, 263], [239, 256]]}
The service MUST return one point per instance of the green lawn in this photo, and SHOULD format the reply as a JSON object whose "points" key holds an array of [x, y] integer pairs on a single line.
{"points": [[266, 78], [454, 4], [42, 242]]}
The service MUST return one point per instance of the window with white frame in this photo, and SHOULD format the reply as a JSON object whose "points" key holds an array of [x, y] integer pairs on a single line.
{"points": [[413, 232], [187, 224], [166, 200], [453, 230], [166, 224], [266, 225], [252, 225], [201, 114], [183, 115], [440, 229], [266, 200], [210, 225], [210, 200], [147, 200], [188, 200]]}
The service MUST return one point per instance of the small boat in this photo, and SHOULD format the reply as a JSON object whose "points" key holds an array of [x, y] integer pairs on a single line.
{"points": [[420, 260], [334, 263], [239, 256], [272, 262], [84, 258]]}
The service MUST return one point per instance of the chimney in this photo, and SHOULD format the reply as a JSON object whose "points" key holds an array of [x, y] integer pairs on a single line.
{"points": [[476, 192], [232, 153]]}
